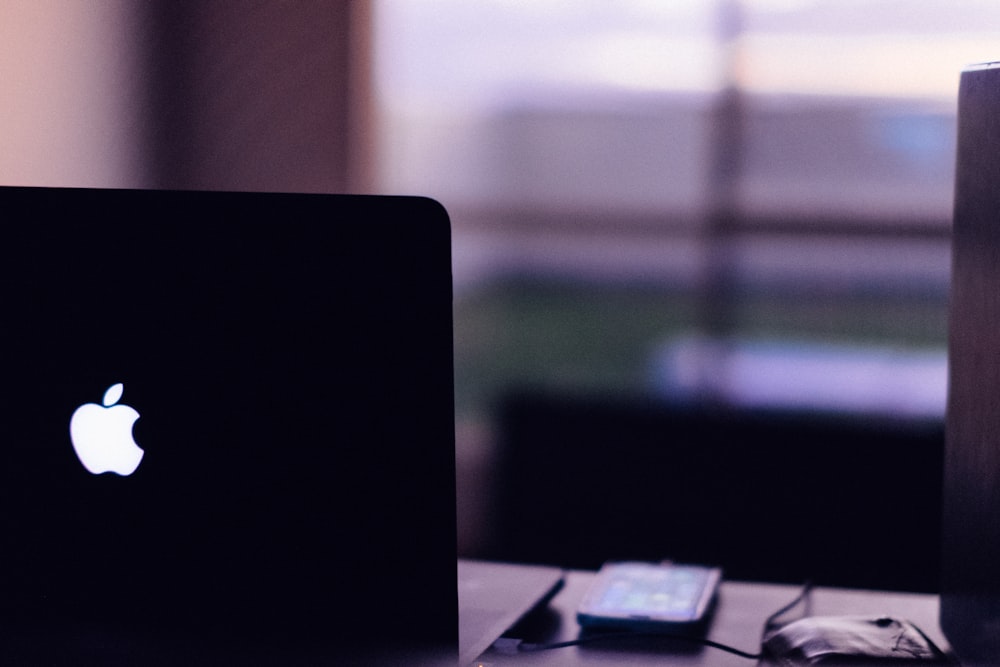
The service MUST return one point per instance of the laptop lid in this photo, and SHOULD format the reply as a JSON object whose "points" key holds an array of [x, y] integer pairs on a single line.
{"points": [[227, 427], [970, 597]]}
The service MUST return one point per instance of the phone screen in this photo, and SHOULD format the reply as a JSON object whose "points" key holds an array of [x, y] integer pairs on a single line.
{"points": [[644, 593]]}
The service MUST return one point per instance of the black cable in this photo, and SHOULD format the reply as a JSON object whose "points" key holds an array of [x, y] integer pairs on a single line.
{"points": [[526, 647], [806, 590], [635, 633]]}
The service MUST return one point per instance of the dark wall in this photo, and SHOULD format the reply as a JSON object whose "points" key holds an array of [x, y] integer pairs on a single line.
{"points": [[256, 95], [843, 501]]}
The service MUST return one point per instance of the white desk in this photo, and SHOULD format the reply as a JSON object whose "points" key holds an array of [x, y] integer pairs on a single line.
{"points": [[738, 621]]}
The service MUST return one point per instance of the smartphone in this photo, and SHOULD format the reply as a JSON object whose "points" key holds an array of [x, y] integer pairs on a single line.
{"points": [[649, 596]]}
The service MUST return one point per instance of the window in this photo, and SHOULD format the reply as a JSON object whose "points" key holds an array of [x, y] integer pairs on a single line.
{"points": [[632, 183]]}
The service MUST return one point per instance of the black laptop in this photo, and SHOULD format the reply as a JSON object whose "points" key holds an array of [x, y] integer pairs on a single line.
{"points": [[260, 465]]}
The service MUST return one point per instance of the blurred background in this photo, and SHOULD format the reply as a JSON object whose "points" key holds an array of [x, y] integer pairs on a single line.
{"points": [[739, 202]]}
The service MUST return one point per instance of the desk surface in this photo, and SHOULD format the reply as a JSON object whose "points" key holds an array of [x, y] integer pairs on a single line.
{"points": [[738, 621]]}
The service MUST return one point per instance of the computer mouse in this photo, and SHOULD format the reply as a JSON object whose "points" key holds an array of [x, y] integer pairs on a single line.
{"points": [[848, 640]]}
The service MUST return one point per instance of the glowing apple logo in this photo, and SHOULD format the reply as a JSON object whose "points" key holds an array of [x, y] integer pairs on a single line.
{"points": [[102, 435]]}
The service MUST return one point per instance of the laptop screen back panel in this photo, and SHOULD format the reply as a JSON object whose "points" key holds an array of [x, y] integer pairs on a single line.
{"points": [[290, 361]]}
